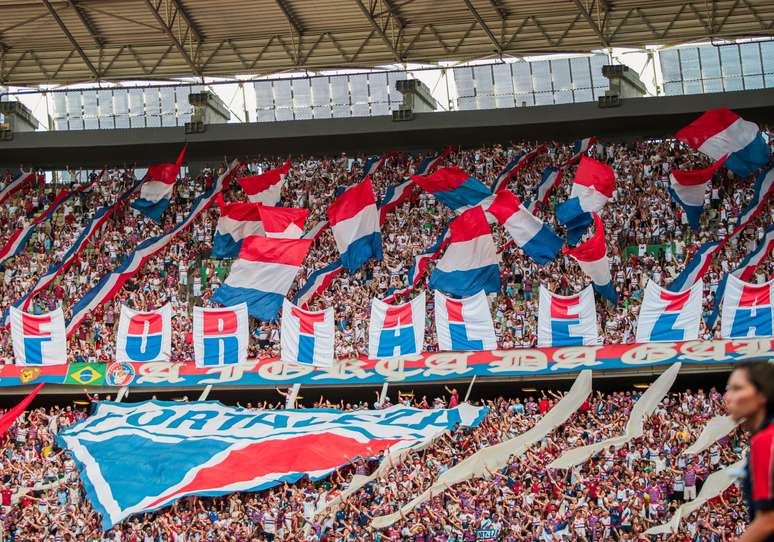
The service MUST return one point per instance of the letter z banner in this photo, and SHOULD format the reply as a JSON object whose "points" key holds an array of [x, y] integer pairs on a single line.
{"points": [[144, 336], [139, 457]]}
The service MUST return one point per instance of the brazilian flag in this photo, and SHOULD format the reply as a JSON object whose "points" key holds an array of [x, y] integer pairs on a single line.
{"points": [[86, 374]]}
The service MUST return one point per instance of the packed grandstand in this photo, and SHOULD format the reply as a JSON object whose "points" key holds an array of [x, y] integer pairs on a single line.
{"points": [[617, 494]]}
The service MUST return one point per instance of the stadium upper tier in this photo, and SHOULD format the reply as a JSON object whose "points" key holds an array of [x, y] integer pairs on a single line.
{"points": [[647, 237], [57, 41]]}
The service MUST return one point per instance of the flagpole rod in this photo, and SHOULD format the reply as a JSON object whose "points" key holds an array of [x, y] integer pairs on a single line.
{"points": [[290, 402], [383, 395], [205, 392], [123, 392], [470, 388]]}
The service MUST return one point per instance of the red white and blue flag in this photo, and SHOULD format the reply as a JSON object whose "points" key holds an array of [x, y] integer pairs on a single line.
{"points": [[550, 179], [306, 337], [20, 179], [429, 164], [38, 339], [592, 259], [592, 188], [315, 231], [266, 188], [354, 220], [747, 309], [567, 320], [721, 132], [419, 266], [220, 336], [513, 167], [464, 324], [580, 149], [317, 283], [395, 196], [535, 238], [396, 330], [111, 283], [237, 221], [454, 188], [144, 336], [470, 262], [283, 222], [209, 449], [688, 188], [263, 275], [157, 187], [670, 316], [375, 163], [696, 267], [764, 188]]}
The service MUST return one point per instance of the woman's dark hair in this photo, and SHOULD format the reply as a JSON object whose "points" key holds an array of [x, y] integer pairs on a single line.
{"points": [[761, 376]]}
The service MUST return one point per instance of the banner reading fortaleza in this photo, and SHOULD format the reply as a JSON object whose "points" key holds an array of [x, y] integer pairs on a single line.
{"points": [[139, 457]]}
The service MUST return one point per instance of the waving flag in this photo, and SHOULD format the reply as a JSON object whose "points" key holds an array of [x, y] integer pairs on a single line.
{"points": [[454, 188], [669, 316], [237, 221], [395, 196], [307, 337], [419, 266], [38, 339], [144, 336], [267, 187], [20, 179], [745, 271], [315, 231], [375, 163], [317, 283], [157, 187], [696, 267], [550, 180], [209, 449], [535, 238], [567, 320], [764, 188], [470, 262], [513, 167], [88, 231], [689, 187], [354, 220], [283, 222], [580, 149], [464, 324], [747, 309], [592, 259], [111, 283], [263, 275], [396, 330], [721, 132], [220, 336], [592, 187], [20, 237], [430, 163]]}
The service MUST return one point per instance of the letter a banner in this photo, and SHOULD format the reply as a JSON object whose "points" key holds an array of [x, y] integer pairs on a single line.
{"points": [[569, 320], [747, 309], [306, 337], [144, 336], [220, 336], [464, 324], [669, 316], [134, 458], [396, 330], [38, 339]]}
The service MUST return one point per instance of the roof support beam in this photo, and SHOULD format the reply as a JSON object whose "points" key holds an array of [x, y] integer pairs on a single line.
{"points": [[484, 26], [196, 34], [586, 15], [88, 24], [395, 13], [171, 35], [500, 9], [71, 39], [378, 29], [291, 17]]}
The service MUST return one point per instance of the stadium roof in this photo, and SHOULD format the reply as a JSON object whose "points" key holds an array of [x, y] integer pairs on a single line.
{"points": [[69, 41]]}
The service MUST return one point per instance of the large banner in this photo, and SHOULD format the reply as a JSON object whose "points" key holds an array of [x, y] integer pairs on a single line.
{"points": [[139, 457], [38, 339], [670, 316], [144, 336], [307, 336], [424, 367], [567, 320], [464, 324], [746, 309], [396, 330], [220, 336]]}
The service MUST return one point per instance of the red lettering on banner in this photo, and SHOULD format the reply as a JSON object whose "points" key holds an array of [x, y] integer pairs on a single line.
{"points": [[398, 316], [454, 309], [676, 300], [137, 324], [220, 323], [560, 307], [755, 295], [31, 325], [306, 320]]}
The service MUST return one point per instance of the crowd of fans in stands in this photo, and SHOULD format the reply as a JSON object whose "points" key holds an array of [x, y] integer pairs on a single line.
{"points": [[648, 237], [616, 495]]}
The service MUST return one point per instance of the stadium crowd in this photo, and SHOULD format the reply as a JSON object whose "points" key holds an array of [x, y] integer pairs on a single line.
{"points": [[647, 233], [616, 495]]}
